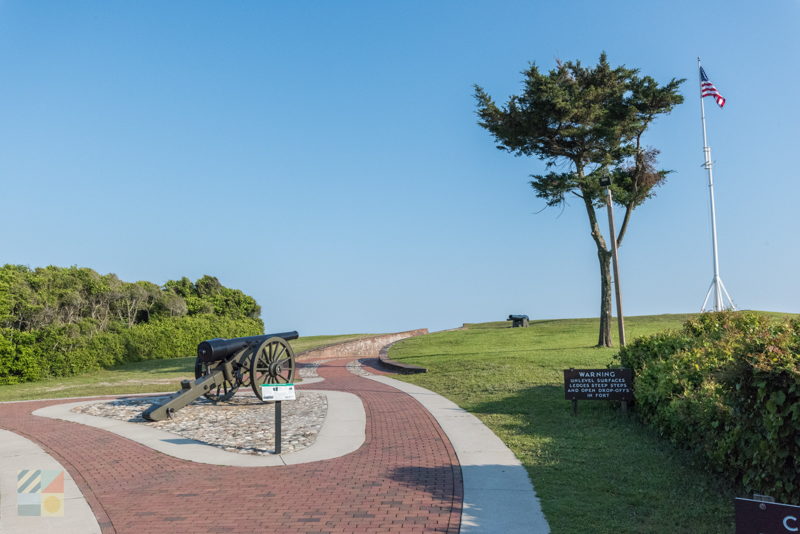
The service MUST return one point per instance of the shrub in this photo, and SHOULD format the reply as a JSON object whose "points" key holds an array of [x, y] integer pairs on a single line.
{"points": [[727, 385], [18, 362], [67, 350], [63, 321], [177, 337]]}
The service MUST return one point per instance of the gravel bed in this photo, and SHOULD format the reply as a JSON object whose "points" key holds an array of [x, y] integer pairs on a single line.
{"points": [[244, 424], [308, 369]]}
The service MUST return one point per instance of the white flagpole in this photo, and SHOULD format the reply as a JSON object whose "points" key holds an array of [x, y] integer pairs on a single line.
{"points": [[716, 287]]}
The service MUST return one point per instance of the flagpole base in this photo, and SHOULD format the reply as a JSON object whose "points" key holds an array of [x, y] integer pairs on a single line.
{"points": [[722, 301]]}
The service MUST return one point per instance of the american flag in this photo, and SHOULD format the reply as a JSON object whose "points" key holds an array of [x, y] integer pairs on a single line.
{"points": [[707, 89]]}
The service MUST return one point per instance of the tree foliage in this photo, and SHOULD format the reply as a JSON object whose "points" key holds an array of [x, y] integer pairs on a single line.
{"points": [[592, 119], [585, 123], [31, 299], [57, 321]]}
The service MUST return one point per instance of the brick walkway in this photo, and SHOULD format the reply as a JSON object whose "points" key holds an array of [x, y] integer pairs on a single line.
{"points": [[405, 478]]}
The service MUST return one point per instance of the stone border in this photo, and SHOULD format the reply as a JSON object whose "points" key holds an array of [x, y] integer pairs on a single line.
{"points": [[343, 432], [405, 368]]}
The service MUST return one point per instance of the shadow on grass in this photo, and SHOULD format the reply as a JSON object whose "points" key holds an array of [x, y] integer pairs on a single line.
{"points": [[602, 470]]}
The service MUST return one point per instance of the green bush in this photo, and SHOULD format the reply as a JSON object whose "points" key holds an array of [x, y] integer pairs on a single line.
{"points": [[18, 362], [66, 350], [177, 337], [727, 385], [58, 321]]}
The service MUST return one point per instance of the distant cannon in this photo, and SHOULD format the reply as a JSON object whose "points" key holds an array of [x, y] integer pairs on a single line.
{"points": [[518, 321], [222, 365]]}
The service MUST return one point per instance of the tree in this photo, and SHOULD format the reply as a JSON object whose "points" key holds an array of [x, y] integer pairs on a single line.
{"points": [[209, 296], [587, 123]]}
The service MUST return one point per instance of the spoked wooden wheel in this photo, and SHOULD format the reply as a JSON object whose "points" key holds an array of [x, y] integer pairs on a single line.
{"points": [[272, 363], [222, 392], [243, 370]]}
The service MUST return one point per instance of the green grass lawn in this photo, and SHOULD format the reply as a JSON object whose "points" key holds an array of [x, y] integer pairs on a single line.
{"points": [[140, 377], [599, 472]]}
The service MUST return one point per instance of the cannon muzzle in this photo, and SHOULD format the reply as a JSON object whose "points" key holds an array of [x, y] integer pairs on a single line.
{"points": [[217, 349]]}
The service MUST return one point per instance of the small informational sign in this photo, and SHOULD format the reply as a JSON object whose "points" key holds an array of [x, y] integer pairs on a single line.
{"points": [[277, 392], [598, 384], [759, 517]]}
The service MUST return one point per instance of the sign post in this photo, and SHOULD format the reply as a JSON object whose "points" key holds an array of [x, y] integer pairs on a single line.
{"points": [[278, 439], [277, 393]]}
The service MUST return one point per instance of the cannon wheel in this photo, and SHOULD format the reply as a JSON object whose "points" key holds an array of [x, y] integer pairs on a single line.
{"points": [[243, 369], [221, 393], [272, 363]]}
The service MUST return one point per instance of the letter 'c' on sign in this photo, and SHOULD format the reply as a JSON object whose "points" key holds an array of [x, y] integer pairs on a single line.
{"points": [[787, 526]]}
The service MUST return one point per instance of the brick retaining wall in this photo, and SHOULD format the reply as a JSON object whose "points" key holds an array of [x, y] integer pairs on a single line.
{"points": [[367, 347]]}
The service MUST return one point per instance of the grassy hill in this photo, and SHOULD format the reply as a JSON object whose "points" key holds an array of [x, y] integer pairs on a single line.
{"points": [[599, 472]]}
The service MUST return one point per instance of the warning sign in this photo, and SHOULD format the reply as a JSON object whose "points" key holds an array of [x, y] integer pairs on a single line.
{"points": [[598, 384]]}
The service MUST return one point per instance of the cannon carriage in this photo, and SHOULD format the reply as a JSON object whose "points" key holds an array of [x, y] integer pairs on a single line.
{"points": [[223, 366]]}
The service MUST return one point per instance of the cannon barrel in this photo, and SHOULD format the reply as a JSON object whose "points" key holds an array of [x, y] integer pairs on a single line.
{"points": [[213, 350]]}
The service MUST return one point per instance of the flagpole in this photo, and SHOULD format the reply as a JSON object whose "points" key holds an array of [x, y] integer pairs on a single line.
{"points": [[717, 288]]}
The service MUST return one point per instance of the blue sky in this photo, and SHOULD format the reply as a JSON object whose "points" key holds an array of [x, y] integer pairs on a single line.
{"points": [[324, 157]]}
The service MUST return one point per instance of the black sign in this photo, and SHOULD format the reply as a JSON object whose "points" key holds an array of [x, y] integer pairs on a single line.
{"points": [[757, 517], [598, 384]]}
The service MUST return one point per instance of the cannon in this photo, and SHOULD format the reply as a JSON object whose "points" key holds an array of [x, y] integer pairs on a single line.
{"points": [[223, 365], [518, 321]]}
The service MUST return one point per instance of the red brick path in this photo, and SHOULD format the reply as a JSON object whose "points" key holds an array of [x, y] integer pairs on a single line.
{"points": [[405, 478]]}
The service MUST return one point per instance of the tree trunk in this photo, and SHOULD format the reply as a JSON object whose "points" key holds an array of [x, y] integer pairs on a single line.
{"points": [[604, 339], [604, 255]]}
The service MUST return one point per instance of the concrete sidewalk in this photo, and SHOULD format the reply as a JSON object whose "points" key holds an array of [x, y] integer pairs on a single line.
{"points": [[18, 453]]}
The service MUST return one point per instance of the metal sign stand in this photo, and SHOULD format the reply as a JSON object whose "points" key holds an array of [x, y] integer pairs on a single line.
{"points": [[278, 393], [277, 427]]}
